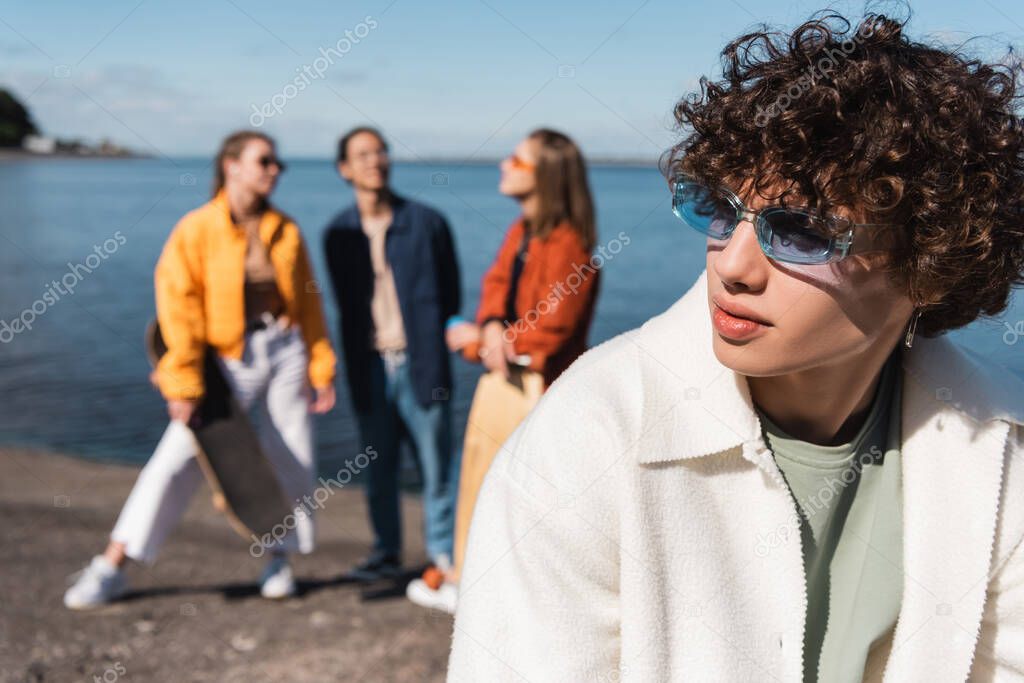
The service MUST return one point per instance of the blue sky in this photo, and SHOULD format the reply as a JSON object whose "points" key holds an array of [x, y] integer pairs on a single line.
{"points": [[454, 78]]}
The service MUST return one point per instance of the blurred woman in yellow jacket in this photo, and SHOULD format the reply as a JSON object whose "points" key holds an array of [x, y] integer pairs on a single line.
{"points": [[234, 276]]}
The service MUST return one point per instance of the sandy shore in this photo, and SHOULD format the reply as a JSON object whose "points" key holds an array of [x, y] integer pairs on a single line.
{"points": [[196, 614]]}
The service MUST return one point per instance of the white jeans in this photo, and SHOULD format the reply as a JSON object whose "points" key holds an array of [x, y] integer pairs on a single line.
{"points": [[270, 383]]}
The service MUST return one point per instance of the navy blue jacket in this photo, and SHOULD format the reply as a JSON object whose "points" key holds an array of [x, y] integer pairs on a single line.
{"points": [[420, 250]]}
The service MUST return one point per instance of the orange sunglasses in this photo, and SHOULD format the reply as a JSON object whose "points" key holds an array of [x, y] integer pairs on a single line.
{"points": [[519, 164]]}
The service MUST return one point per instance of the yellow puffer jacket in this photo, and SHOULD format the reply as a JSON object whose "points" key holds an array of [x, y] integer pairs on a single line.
{"points": [[200, 281]]}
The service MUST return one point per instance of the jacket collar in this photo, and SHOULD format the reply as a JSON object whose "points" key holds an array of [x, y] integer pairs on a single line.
{"points": [[349, 218], [695, 406], [271, 220]]}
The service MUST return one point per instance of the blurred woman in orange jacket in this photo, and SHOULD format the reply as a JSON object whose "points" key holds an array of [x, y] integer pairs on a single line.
{"points": [[537, 298], [235, 277], [536, 304]]}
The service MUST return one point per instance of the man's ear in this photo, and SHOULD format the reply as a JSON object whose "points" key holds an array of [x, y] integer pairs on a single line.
{"points": [[342, 171]]}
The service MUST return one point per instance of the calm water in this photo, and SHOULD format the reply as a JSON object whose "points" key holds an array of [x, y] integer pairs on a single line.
{"points": [[77, 382]]}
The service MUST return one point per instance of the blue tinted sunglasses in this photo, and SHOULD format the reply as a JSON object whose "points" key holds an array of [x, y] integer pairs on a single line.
{"points": [[786, 234]]}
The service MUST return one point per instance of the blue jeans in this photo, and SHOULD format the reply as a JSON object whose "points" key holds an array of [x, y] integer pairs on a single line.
{"points": [[393, 408]]}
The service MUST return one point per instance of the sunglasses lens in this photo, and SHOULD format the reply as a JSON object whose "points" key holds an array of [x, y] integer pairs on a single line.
{"points": [[518, 163], [794, 236], [703, 209], [267, 162]]}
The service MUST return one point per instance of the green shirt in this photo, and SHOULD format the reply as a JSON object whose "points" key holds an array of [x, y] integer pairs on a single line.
{"points": [[850, 504]]}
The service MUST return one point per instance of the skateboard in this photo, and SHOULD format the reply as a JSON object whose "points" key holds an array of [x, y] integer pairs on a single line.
{"points": [[245, 486]]}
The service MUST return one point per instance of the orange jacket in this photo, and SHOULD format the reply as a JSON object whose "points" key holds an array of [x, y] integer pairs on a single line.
{"points": [[555, 299], [200, 280]]}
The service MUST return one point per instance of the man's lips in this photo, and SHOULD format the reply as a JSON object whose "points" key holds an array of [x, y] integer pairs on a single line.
{"points": [[739, 311]]}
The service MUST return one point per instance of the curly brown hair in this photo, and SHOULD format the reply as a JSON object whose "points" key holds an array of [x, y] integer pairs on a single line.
{"points": [[919, 136]]}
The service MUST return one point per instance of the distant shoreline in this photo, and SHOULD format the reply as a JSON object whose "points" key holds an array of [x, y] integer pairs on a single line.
{"points": [[14, 154]]}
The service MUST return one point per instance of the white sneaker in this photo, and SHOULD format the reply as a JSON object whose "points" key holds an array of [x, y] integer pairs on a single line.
{"points": [[445, 598], [277, 581], [98, 584]]}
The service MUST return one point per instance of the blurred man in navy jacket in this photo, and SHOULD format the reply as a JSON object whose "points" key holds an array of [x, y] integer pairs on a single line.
{"points": [[396, 282]]}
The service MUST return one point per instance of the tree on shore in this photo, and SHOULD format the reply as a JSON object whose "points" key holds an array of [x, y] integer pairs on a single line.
{"points": [[15, 121]]}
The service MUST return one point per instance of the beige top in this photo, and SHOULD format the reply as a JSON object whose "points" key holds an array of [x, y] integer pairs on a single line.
{"points": [[261, 293], [389, 331]]}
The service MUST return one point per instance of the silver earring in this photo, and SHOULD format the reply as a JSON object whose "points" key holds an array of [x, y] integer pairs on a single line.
{"points": [[908, 341]]}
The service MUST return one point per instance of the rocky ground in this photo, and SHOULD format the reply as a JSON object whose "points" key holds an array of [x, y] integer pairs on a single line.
{"points": [[196, 615]]}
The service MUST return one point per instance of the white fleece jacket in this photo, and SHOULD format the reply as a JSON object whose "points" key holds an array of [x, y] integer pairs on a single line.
{"points": [[636, 528]]}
